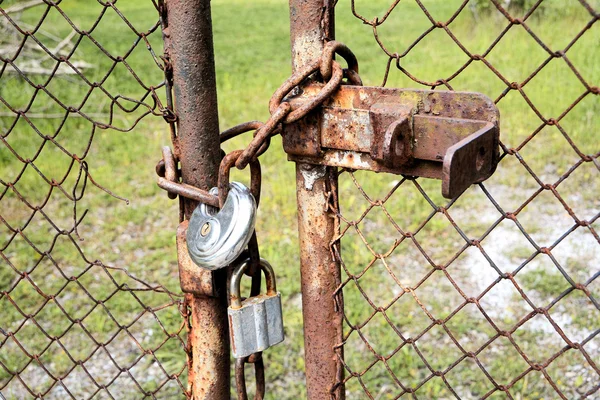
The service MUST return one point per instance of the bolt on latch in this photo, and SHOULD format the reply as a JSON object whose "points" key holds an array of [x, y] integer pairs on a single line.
{"points": [[452, 136]]}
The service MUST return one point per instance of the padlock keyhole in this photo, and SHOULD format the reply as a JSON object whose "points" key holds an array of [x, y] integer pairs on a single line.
{"points": [[205, 230]]}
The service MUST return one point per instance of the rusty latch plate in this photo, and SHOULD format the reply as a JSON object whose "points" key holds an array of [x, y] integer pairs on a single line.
{"points": [[452, 136]]}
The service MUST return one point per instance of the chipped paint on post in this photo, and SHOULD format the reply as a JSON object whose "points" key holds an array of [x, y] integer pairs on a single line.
{"points": [[311, 173]]}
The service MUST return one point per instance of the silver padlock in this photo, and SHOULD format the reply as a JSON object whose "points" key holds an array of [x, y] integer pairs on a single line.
{"points": [[256, 323], [215, 238]]}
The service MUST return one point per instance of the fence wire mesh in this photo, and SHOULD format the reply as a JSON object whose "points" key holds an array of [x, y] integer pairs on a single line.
{"points": [[494, 294], [77, 78]]}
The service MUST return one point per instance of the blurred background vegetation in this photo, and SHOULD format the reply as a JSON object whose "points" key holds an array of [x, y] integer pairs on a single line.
{"points": [[252, 58]]}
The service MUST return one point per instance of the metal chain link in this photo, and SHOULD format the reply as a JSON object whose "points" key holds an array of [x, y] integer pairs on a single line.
{"points": [[259, 376], [283, 112]]}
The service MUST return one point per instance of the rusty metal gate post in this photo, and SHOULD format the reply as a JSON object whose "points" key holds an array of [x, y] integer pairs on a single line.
{"points": [[190, 50], [311, 22]]}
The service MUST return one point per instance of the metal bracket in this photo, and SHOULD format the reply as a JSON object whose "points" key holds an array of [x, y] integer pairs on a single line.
{"points": [[452, 136]]}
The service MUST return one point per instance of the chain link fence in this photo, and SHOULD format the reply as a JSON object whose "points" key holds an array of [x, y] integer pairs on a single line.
{"points": [[77, 79], [491, 295], [494, 294]]}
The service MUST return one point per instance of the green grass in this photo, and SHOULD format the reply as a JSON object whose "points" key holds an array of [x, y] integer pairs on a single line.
{"points": [[252, 59]]}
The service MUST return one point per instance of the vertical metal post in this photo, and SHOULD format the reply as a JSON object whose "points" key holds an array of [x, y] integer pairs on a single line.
{"points": [[311, 22], [190, 49]]}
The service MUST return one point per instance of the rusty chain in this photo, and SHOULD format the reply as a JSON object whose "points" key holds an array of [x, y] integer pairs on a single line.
{"points": [[282, 112], [259, 376]]}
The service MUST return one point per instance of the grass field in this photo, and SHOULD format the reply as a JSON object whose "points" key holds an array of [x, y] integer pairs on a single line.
{"points": [[253, 58]]}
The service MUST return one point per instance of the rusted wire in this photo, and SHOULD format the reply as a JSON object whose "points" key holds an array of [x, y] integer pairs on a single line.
{"points": [[54, 347], [403, 379]]}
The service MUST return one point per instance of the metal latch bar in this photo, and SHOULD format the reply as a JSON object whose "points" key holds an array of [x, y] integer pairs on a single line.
{"points": [[452, 136]]}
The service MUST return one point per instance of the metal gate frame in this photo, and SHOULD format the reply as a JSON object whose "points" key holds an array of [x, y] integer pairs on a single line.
{"points": [[187, 32], [311, 23]]}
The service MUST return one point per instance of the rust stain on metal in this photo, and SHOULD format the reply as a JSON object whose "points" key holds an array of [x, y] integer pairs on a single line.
{"points": [[311, 23], [259, 376], [392, 142], [320, 275], [230, 322], [190, 48], [303, 136], [210, 358]]}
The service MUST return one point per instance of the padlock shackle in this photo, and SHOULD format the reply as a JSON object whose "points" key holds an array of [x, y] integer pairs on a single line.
{"points": [[224, 170], [235, 296]]}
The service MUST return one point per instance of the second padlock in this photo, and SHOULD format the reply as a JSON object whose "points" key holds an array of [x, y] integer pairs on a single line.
{"points": [[256, 323], [215, 238]]}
